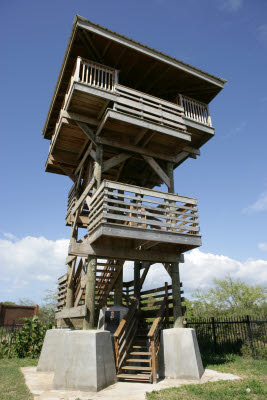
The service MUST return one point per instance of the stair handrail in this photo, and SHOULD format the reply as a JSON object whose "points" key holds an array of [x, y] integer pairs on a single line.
{"points": [[126, 329], [154, 336]]}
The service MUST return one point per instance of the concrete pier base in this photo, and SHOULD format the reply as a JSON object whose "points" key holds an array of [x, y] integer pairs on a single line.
{"points": [[85, 361], [179, 354], [52, 342]]}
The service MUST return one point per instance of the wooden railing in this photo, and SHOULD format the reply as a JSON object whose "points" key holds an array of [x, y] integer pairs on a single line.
{"points": [[125, 333], [121, 204], [95, 74], [195, 110], [62, 291], [148, 107], [154, 336]]}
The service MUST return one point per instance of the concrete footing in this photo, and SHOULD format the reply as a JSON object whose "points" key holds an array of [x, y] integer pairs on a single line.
{"points": [[52, 342], [179, 354], [85, 361]]}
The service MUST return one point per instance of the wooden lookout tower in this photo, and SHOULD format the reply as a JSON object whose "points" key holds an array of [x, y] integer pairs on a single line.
{"points": [[123, 116]]}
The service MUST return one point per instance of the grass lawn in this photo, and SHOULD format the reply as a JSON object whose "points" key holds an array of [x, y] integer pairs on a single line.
{"points": [[253, 372], [12, 384]]}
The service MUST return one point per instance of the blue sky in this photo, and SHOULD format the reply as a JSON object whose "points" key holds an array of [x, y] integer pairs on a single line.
{"points": [[227, 38]]}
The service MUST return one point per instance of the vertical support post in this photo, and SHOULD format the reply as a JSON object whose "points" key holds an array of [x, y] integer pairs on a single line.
{"points": [[167, 317], [70, 286], [176, 294], [88, 322], [98, 166], [118, 289], [137, 279]]}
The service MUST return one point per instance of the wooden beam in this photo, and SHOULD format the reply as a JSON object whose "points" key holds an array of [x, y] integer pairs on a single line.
{"points": [[74, 312], [135, 149], [86, 154], [79, 118], [95, 50], [181, 156], [66, 170], [83, 195], [111, 162], [84, 248], [141, 134], [156, 168], [144, 274], [88, 131]]}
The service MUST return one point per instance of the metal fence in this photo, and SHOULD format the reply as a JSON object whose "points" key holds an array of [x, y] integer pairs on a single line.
{"points": [[243, 335], [8, 332]]}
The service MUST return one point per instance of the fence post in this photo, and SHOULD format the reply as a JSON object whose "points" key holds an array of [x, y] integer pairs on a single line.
{"points": [[250, 336], [214, 334]]}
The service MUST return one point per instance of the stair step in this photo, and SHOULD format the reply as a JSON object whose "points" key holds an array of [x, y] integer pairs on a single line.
{"points": [[134, 377], [140, 347], [140, 353], [138, 360], [132, 367]]}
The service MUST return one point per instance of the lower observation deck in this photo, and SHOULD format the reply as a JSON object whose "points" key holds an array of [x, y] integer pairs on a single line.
{"points": [[133, 220]]}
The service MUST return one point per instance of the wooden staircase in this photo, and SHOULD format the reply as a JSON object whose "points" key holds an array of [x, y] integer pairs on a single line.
{"points": [[137, 364], [137, 347], [106, 276], [107, 279]]}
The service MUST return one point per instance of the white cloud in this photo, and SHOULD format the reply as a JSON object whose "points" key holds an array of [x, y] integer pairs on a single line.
{"points": [[262, 246], [230, 5], [32, 264], [259, 205], [10, 236], [199, 270], [27, 262]]}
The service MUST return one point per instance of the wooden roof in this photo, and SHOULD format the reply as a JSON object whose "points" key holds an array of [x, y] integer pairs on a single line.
{"points": [[141, 67]]}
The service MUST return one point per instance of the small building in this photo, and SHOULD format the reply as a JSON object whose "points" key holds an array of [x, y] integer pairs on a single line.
{"points": [[10, 314]]}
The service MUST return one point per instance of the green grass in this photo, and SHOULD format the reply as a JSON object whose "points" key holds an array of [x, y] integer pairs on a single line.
{"points": [[12, 384], [253, 373]]}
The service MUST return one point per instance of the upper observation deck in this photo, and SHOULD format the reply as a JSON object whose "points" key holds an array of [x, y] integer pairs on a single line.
{"points": [[131, 97], [124, 118]]}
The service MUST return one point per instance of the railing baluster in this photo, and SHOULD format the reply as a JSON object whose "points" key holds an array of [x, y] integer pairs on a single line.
{"points": [[195, 110]]}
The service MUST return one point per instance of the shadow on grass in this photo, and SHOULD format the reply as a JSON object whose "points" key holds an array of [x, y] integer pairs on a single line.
{"points": [[209, 358]]}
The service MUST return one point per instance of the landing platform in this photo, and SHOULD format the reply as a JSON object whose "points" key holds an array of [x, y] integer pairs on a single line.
{"points": [[40, 385]]}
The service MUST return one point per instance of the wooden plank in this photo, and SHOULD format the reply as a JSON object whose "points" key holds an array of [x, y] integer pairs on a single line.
{"points": [[74, 312], [64, 277], [154, 126]]}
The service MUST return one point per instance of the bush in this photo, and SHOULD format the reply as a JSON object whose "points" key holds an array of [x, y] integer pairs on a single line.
{"points": [[29, 340]]}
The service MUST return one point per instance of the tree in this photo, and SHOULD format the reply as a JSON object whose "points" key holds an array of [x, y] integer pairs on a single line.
{"points": [[228, 298], [48, 307]]}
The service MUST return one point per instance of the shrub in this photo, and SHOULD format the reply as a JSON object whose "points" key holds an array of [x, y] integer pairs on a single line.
{"points": [[29, 340]]}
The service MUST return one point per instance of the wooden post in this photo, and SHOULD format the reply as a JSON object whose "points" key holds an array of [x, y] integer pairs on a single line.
{"points": [[137, 279], [177, 306], [98, 166], [118, 289], [70, 286], [88, 322]]}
